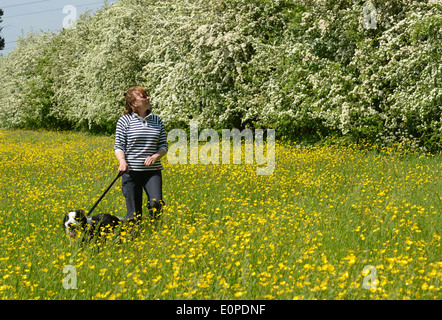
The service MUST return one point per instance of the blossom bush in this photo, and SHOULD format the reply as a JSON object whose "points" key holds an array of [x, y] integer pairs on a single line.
{"points": [[307, 68]]}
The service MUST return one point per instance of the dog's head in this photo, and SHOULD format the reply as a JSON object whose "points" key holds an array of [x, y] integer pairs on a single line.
{"points": [[73, 221]]}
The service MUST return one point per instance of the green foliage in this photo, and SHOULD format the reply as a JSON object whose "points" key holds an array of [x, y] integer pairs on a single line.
{"points": [[307, 68]]}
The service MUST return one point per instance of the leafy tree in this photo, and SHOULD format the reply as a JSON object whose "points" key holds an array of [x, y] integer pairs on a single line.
{"points": [[313, 68]]}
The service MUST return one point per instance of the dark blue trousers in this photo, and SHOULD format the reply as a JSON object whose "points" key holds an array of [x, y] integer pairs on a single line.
{"points": [[133, 184]]}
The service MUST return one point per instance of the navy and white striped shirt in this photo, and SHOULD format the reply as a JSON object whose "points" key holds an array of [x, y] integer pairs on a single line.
{"points": [[140, 138]]}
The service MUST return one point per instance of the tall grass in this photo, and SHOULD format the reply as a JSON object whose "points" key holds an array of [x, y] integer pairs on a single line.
{"points": [[305, 232]]}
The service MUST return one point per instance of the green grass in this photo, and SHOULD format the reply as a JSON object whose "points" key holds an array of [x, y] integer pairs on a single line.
{"points": [[305, 232]]}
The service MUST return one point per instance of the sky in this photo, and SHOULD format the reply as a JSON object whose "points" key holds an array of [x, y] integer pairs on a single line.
{"points": [[21, 16]]}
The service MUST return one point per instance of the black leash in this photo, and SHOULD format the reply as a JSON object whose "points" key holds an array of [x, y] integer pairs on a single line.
{"points": [[102, 196]]}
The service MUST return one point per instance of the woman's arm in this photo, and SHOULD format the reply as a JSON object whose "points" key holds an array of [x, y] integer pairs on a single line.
{"points": [[120, 144], [122, 160], [162, 147]]}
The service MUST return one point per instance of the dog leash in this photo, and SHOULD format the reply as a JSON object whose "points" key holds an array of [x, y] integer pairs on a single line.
{"points": [[102, 196]]}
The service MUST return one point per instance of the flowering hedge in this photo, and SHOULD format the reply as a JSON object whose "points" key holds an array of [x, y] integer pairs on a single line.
{"points": [[305, 68]]}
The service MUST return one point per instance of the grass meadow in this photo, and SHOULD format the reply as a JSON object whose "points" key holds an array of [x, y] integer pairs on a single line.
{"points": [[308, 231]]}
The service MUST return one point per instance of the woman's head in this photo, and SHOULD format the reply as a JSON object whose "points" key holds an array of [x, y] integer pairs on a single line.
{"points": [[131, 97]]}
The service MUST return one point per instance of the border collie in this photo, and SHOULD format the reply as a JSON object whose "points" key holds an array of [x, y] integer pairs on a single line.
{"points": [[77, 220]]}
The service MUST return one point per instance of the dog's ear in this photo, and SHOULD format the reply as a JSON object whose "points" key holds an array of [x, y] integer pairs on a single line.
{"points": [[65, 218], [81, 216]]}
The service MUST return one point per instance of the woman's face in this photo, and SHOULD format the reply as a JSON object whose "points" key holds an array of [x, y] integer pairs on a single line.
{"points": [[142, 102]]}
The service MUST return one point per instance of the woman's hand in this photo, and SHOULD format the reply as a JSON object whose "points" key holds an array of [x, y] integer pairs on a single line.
{"points": [[123, 167], [151, 160], [155, 157]]}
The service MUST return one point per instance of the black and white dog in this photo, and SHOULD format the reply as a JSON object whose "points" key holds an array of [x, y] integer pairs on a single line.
{"points": [[75, 221]]}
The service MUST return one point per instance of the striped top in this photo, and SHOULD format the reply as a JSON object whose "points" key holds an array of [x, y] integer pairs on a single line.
{"points": [[140, 138]]}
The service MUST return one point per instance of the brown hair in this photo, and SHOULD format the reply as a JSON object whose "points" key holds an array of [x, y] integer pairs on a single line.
{"points": [[130, 97]]}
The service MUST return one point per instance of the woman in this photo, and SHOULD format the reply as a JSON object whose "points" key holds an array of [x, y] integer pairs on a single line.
{"points": [[140, 143]]}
